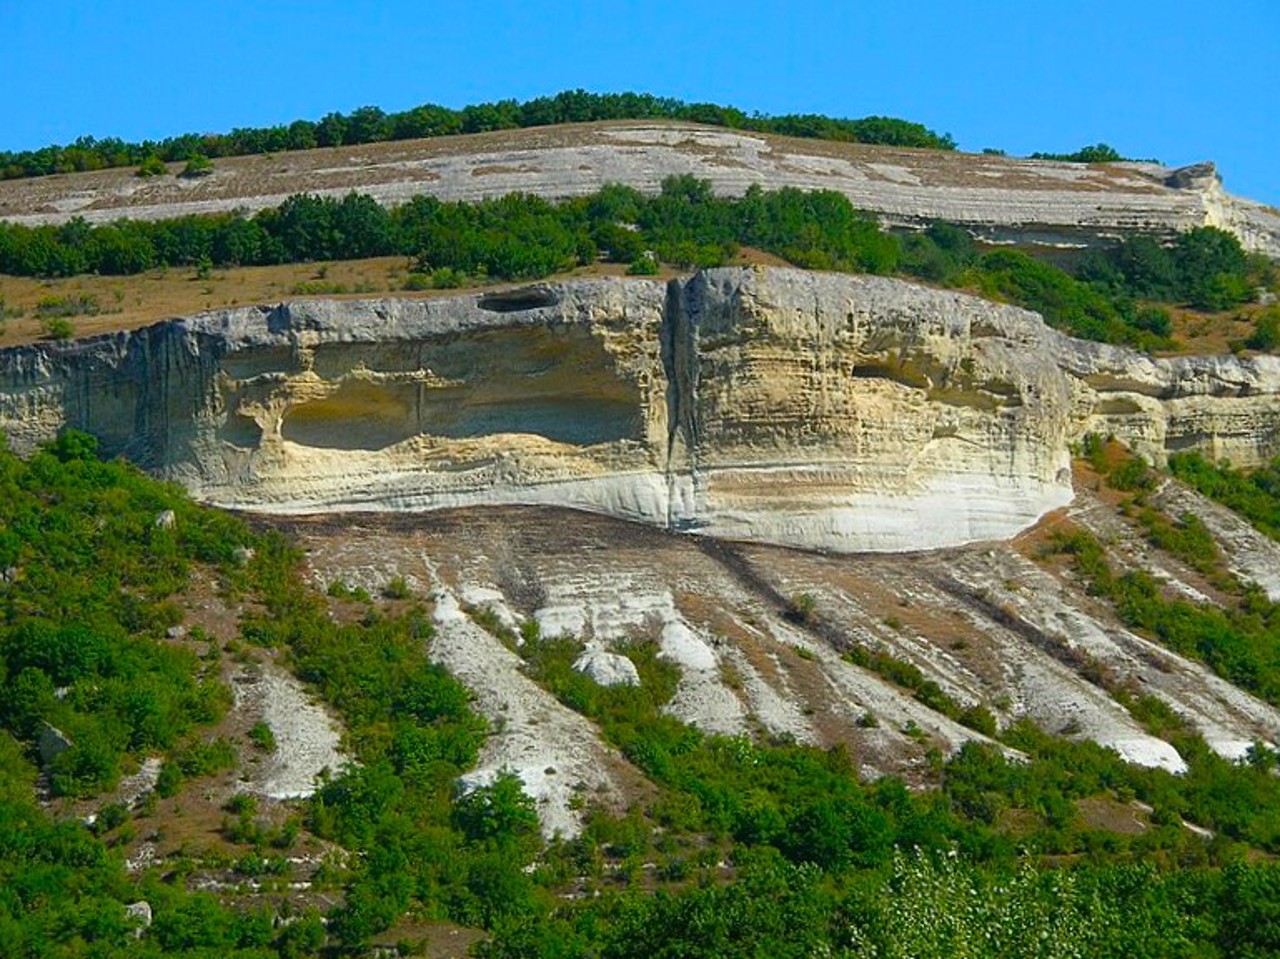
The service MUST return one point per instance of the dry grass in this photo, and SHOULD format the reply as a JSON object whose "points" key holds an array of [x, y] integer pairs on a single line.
{"points": [[1212, 332], [1111, 815], [131, 302]]}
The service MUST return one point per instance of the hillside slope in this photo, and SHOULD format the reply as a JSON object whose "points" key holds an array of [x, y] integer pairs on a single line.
{"points": [[1002, 199]]}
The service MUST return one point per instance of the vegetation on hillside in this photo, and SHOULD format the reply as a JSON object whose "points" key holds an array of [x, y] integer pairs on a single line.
{"points": [[746, 848], [372, 125], [1239, 639], [1113, 296], [1254, 494], [88, 578]]}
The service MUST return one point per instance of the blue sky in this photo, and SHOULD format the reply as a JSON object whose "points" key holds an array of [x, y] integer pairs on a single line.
{"points": [[1175, 80]]}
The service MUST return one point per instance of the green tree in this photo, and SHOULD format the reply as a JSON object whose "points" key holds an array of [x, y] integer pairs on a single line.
{"points": [[498, 816]]}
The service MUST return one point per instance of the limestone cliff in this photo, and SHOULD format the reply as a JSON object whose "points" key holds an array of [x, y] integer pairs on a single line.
{"points": [[798, 408]]}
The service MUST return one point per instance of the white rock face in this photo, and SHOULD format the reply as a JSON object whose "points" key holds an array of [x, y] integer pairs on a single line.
{"points": [[841, 412]]}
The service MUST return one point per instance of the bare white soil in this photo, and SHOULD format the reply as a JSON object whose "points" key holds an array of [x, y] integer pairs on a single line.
{"points": [[307, 737]]}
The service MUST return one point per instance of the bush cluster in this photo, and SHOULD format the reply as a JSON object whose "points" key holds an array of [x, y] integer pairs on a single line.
{"points": [[85, 610], [1204, 267]]}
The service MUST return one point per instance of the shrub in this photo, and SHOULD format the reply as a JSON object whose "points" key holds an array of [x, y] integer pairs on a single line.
{"points": [[1266, 331], [263, 737], [646, 264], [1154, 319], [199, 165], [152, 166], [169, 780], [81, 304], [397, 588], [801, 608], [979, 718], [446, 278], [57, 328], [1132, 475]]}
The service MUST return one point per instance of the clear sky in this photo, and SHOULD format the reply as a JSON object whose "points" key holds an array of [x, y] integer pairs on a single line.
{"points": [[1175, 80]]}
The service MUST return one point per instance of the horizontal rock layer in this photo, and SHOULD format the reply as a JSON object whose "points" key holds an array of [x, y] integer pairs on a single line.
{"points": [[999, 198], [816, 410]]}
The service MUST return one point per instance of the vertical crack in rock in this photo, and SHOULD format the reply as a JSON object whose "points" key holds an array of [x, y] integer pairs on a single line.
{"points": [[680, 366]]}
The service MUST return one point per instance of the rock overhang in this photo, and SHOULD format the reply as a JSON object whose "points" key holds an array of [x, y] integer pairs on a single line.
{"points": [[805, 409]]}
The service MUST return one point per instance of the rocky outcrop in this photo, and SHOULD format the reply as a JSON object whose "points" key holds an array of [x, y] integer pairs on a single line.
{"points": [[806, 409], [998, 198]]}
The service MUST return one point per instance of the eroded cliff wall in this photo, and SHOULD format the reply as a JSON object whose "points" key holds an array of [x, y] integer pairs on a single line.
{"points": [[806, 409]]}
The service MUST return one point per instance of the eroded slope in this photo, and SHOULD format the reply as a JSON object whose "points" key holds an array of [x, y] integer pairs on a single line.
{"points": [[773, 642]]}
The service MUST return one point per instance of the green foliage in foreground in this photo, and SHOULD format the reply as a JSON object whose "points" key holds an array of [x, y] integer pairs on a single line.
{"points": [[85, 608], [85, 600], [744, 849], [372, 125]]}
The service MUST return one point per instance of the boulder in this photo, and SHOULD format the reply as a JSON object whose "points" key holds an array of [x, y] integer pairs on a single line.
{"points": [[139, 913], [606, 668], [1197, 176], [51, 743]]}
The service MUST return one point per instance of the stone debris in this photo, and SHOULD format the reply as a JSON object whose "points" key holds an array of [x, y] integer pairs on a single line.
{"points": [[556, 752], [307, 738]]}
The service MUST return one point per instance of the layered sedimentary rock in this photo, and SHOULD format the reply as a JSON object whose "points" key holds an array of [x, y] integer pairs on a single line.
{"points": [[998, 198], [798, 408]]}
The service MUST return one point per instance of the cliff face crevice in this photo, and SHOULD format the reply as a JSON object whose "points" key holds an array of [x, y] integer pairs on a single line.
{"points": [[805, 409]]}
